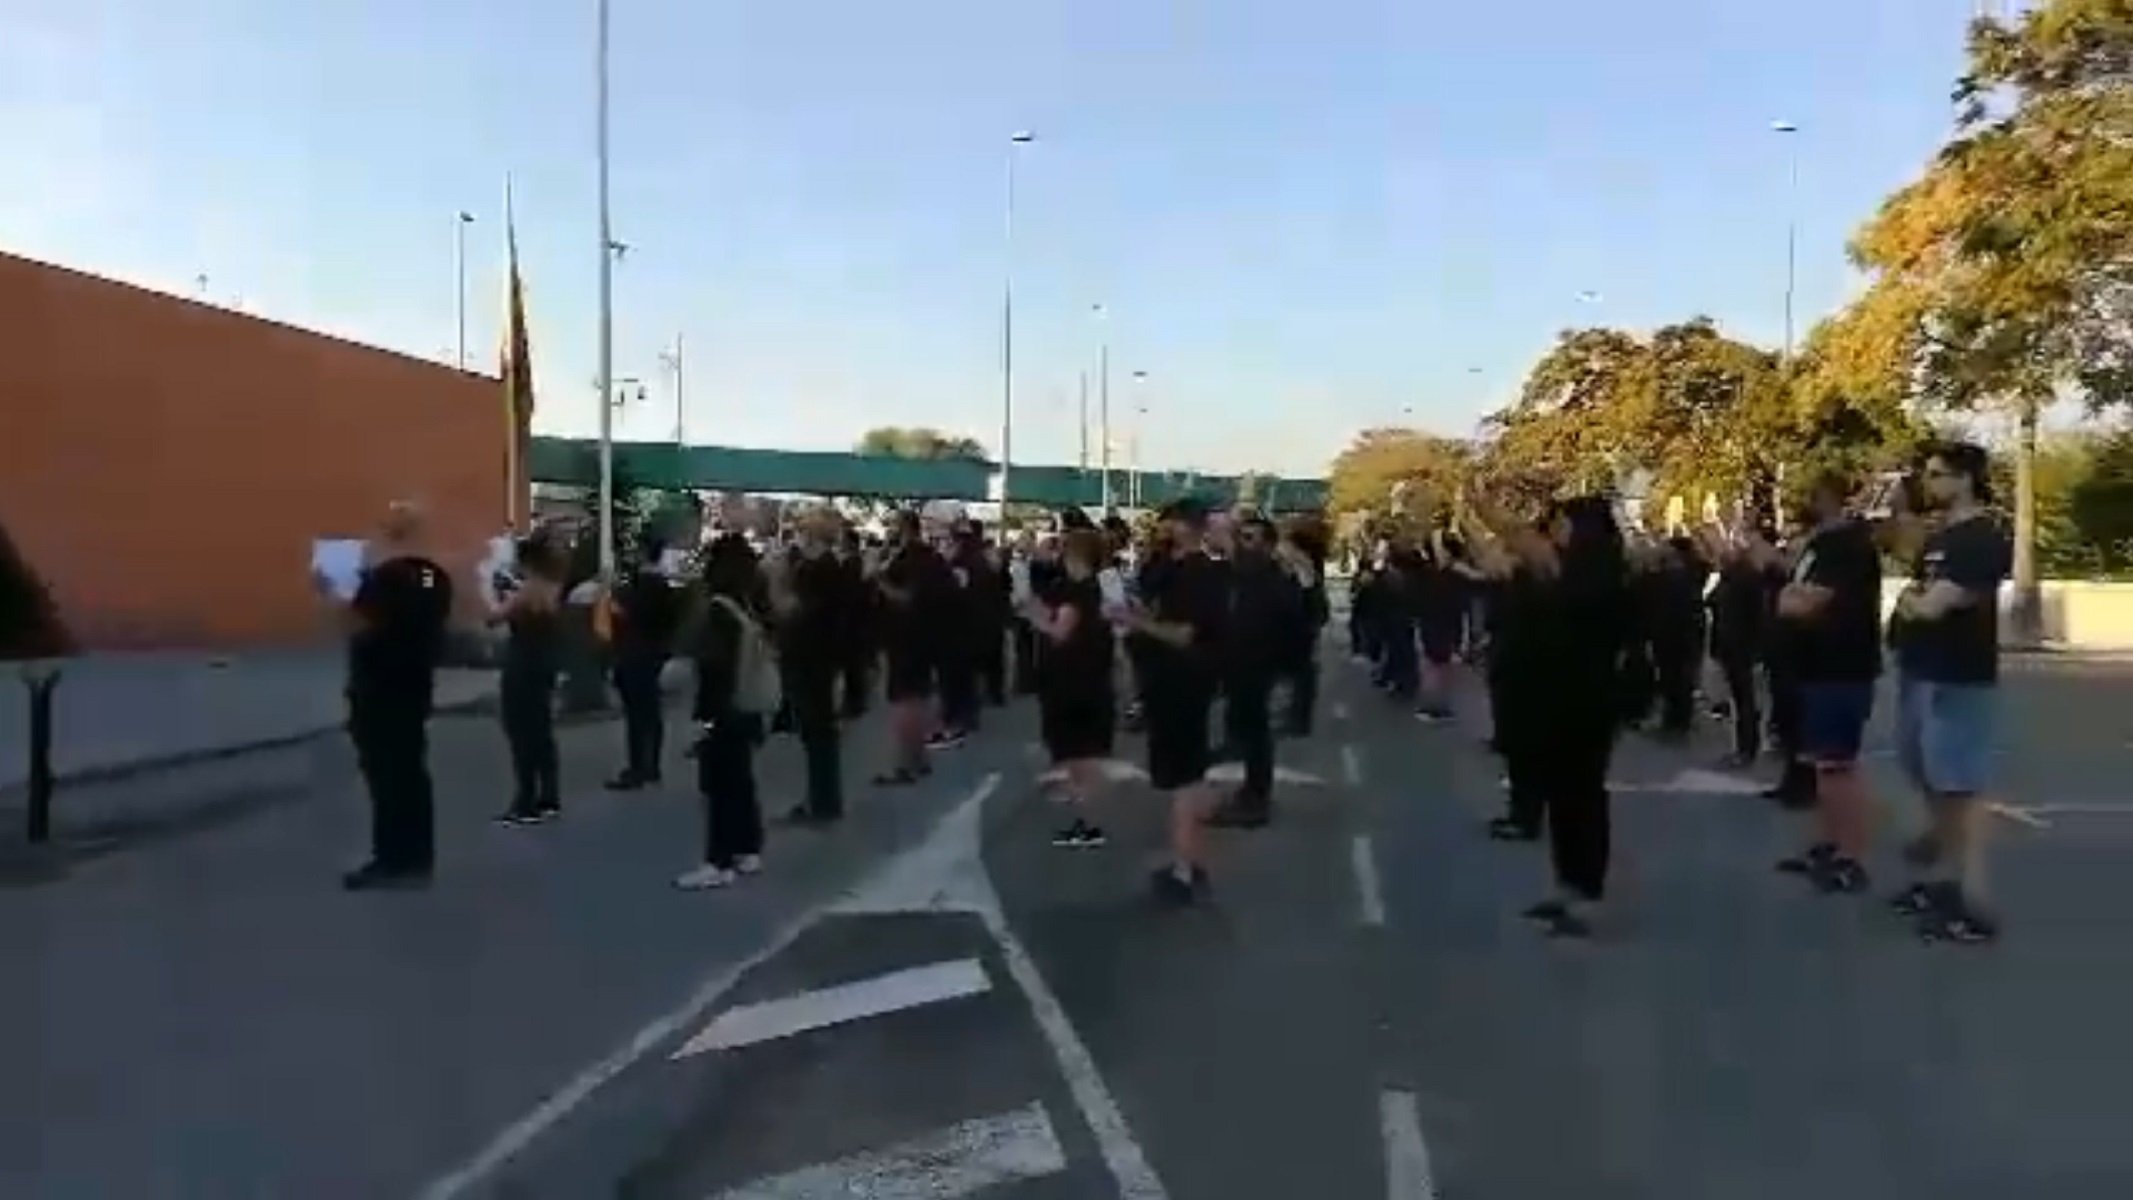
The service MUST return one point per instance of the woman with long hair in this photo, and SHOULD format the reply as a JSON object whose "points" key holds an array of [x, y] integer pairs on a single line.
{"points": [[530, 609], [1078, 710], [728, 639]]}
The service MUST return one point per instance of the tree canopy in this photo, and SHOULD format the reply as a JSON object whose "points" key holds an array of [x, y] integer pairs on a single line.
{"points": [[1401, 469], [918, 441]]}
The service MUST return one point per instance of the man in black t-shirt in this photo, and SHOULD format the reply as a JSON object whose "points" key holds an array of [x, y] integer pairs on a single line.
{"points": [[1946, 635], [647, 613], [1833, 604], [397, 621], [1179, 623]]}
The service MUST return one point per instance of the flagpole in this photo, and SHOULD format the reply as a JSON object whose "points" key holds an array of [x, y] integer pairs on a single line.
{"points": [[514, 445], [607, 325]]}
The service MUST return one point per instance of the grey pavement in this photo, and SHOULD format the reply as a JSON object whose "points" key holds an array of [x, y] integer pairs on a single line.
{"points": [[215, 1022], [211, 1016], [116, 713]]}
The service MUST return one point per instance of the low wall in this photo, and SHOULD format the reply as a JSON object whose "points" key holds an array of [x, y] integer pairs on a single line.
{"points": [[2078, 615]]}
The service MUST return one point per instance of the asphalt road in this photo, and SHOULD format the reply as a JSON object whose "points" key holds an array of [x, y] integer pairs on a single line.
{"points": [[938, 1003]]}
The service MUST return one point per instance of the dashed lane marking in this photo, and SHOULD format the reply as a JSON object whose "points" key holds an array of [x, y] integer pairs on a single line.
{"points": [[960, 1160], [1370, 899], [1407, 1168], [1352, 765]]}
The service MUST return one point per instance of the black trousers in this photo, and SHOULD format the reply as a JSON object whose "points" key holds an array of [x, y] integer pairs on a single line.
{"points": [[1248, 722], [1797, 784], [1573, 779], [527, 705], [1738, 666], [1401, 667], [1639, 682], [991, 664], [1302, 676], [1521, 738], [391, 737], [644, 724], [959, 688], [1025, 640], [1675, 658], [812, 702], [725, 776], [858, 676]]}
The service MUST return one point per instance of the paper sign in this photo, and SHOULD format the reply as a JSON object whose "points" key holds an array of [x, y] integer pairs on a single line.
{"points": [[1113, 587], [339, 562], [674, 563], [1018, 581], [499, 569]]}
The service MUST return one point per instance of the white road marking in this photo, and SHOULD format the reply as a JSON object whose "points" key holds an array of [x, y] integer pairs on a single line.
{"points": [[1233, 773], [1340, 712], [2079, 810], [2021, 816], [1370, 898], [1352, 765], [840, 1005], [515, 1138], [1407, 1171], [948, 875], [957, 1161], [1694, 780], [1115, 771]]}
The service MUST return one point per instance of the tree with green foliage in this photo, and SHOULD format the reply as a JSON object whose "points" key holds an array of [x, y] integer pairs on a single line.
{"points": [[2003, 276], [896, 441], [1383, 469]]}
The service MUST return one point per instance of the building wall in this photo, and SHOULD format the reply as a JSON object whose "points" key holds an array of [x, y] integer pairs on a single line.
{"points": [[166, 465]]}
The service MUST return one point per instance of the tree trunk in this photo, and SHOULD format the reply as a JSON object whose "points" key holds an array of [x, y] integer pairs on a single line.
{"points": [[2026, 611]]}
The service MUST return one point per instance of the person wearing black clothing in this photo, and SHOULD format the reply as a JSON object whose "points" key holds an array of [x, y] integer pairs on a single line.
{"points": [[1306, 544], [647, 610], [1795, 786], [729, 626], [812, 606], [1077, 708], [1946, 634], [397, 620], [962, 610], [531, 613], [1737, 634], [1266, 618], [1400, 664], [911, 585], [858, 641], [990, 591], [1440, 616], [1180, 621], [1834, 605], [1675, 631]]}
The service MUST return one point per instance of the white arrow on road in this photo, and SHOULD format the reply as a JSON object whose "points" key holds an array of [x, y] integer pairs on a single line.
{"points": [[1234, 773], [1115, 771], [1698, 781]]}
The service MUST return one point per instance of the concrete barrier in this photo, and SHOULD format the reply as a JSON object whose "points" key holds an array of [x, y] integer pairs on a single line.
{"points": [[2078, 614]]}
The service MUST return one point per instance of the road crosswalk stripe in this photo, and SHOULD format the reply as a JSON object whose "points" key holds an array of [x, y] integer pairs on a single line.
{"points": [[957, 1161], [856, 1001]]}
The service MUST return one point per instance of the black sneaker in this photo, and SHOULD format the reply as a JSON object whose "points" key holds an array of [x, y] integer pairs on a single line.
{"points": [[1841, 877], [1433, 715], [1546, 912], [1504, 829], [373, 877], [1169, 889], [1809, 861], [946, 739], [1079, 836], [1914, 901], [519, 816], [1567, 924], [628, 781], [1961, 924]]}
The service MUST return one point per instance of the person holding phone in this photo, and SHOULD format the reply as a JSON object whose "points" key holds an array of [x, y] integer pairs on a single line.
{"points": [[530, 612]]}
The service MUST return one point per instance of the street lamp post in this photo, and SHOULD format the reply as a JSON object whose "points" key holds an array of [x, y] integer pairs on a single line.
{"points": [[1792, 223], [1103, 400], [1133, 444], [671, 360], [459, 278], [607, 315], [1015, 142]]}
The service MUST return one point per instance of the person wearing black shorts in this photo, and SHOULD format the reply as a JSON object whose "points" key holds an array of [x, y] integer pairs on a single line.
{"points": [[1077, 706], [1179, 623], [910, 584]]}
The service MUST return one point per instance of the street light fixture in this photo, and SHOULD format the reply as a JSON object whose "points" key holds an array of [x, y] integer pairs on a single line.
{"points": [[459, 277]]}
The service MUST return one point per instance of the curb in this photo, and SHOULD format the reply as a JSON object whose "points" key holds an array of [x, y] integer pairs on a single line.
{"points": [[153, 764]]}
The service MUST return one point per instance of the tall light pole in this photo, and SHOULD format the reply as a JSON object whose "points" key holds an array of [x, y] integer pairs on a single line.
{"points": [[671, 360], [1103, 399], [459, 275], [1015, 142], [607, 320], [1133, 444], [1787, 129], [1082, 424]]}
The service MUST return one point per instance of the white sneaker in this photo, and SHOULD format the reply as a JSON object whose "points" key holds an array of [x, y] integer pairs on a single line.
{"points": [[704, 878], [748, 864]]}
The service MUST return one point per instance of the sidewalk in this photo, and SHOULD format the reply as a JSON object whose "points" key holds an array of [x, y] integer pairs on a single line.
{"points": [[116, 714]]}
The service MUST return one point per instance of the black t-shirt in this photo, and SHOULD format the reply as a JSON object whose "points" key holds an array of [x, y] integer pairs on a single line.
{"points": [[402, 607], [651, 612], [1080, 665], [1190, 590], [917, 626], [1842, 642], [1963, 644]]}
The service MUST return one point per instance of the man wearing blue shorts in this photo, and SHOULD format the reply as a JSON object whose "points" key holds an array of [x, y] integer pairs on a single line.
{"points": [[1947, 638], [1832, 606]]}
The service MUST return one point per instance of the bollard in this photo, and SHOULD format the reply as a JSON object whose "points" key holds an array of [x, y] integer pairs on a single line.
{"points": [[40, 687]]}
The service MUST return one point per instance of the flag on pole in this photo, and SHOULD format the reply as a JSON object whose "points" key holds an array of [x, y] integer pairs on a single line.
{"points": [[518, 382]]}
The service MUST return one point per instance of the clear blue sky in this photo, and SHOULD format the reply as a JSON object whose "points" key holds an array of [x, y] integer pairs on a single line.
{"points": [[1303, 214]]}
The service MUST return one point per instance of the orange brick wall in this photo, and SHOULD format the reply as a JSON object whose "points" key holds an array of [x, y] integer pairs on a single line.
{"points": [[165, 465]]}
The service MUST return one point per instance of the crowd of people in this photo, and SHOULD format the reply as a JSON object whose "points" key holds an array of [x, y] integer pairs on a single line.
{"points": [[938, 620], [1582, 632], [1579, 632]]}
